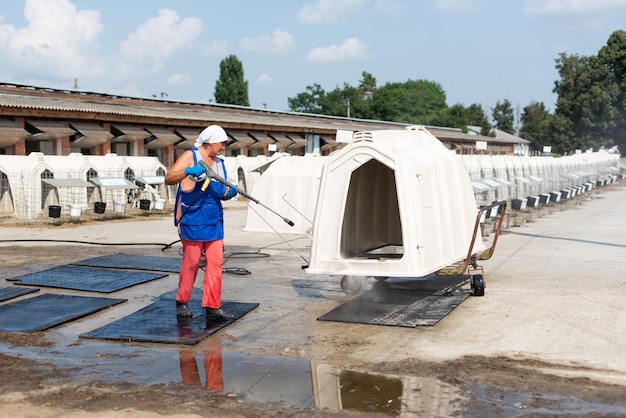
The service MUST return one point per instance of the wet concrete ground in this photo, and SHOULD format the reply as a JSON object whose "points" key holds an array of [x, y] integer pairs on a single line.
{"points": [[546, 339]]}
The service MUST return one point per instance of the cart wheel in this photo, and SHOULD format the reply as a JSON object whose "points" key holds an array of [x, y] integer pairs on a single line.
{"points": [[478, 285], [350, 285]]}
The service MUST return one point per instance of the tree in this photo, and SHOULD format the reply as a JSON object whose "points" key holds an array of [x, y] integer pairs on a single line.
{"points": [[367, 85], [503, 116], [560, 129], [346, 101], [587, 97], [562, 126], [535, 119], [363, 107], [341, 102], [613, 55], [476, 116], [231, 88], [459, 116], [308, 101], [414, 101], [455, 116]]}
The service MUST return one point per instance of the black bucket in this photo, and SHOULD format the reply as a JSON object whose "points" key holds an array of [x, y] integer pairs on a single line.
{"points": [[99, 207], [54, 211], [144, 204]]}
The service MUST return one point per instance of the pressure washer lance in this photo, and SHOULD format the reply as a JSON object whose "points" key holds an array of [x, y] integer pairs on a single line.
{"points": [[212, 174]]}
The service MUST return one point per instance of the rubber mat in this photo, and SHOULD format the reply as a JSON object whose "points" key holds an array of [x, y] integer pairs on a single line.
{"points": [[86, 278], [157, 323], [46, 311], [7, 293], [133, 262], [398, 305]]}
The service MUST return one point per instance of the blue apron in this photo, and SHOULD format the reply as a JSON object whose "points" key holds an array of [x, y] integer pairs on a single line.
{"points": [[202, 215]]}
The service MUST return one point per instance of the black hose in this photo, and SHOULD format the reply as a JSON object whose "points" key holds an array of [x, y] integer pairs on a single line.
{"points": [[231, 270], [89, 242]]}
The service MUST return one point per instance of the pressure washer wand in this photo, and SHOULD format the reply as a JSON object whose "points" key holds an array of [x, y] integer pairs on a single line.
{"points": [[212, 174]]}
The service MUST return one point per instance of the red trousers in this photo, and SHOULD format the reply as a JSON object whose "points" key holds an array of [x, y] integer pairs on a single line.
{"points": [[212, 285]]}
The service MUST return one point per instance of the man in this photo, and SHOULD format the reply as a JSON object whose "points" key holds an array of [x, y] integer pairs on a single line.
{"points": [[199, 216]]}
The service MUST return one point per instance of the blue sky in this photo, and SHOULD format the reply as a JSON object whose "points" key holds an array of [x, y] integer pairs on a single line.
{"points": [[479, 51]]}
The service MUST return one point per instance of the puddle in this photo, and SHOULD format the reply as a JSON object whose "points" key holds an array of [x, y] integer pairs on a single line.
{"points": [[298, 383], [490, 401]]}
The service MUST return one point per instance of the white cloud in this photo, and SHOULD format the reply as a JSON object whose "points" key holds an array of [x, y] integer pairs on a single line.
{"points": [[58, 39], [214, 48], [581, 8], [458, 6], [179, 79], [159, 38], [391, 7], [280, 42], [264, 80], [130, 89], [352, 49], [329, 11]]}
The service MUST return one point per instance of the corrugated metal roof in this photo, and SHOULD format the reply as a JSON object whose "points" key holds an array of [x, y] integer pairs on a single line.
{"points": [[173, 112], [502, 136]]}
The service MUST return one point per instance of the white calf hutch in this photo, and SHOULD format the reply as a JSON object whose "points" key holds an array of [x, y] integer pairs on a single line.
{"points": [[394, 203], [41, 185]]}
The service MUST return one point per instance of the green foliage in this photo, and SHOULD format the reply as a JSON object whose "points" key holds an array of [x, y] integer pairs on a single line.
{"points": [[503, 116], [414, 102], [308, 101], [587, 97], [454, 116], [231, 88], [535, 125], [613, 55], [458, 116], [417, 102]]}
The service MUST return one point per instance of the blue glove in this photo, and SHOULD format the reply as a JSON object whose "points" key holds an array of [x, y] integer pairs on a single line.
{"points": [[197, 170], [232, 192]]}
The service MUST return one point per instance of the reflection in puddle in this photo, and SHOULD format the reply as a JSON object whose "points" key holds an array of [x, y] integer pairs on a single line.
{"points": [[296, 383], [212, 362], [299, 383], [401, 396]]}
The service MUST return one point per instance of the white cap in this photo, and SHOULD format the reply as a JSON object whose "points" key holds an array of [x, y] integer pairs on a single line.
{"points": [[211, 135]]}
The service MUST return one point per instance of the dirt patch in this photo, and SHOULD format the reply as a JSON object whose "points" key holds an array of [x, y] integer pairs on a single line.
{"points": [[512, 374]]}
